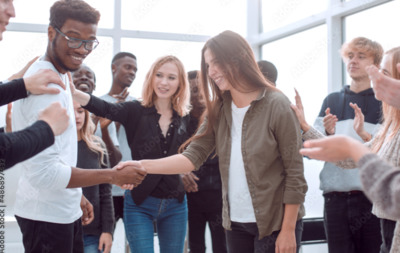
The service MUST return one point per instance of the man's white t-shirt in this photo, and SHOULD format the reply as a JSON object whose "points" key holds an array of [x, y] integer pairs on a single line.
{"points": [[241, 206], [42, 194]]}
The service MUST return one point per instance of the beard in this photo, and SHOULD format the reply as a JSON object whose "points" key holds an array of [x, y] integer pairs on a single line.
{"points": [[58, 60]]}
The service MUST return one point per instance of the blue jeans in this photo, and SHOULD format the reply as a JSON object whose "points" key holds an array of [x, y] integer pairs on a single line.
{"points": [[170, 217], [91, 243], [350, 226]]}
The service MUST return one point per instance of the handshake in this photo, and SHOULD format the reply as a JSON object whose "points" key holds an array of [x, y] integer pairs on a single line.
{"points": [[129, 174]]}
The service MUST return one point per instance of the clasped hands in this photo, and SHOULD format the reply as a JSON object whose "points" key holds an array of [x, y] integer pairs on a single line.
{"points": [[129, 174]]}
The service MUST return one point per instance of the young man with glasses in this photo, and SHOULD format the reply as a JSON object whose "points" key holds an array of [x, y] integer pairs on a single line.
{"points": [[21, 145], [48, 213]]}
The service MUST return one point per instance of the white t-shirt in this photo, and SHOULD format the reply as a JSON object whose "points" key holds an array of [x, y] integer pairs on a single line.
{"points": [[42, 194], [241, 206]]}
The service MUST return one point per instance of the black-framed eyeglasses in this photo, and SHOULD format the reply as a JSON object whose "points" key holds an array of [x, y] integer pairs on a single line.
{"points": [[77, 43]]}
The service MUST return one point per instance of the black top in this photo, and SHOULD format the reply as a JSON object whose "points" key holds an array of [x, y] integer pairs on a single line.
{"points": [[146, 142], [338, 102], [18, 146], [98, 195], [12, 91]]}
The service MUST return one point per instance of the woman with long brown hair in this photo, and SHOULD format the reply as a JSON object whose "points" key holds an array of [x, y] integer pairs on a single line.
{"points": [[249, 123]]}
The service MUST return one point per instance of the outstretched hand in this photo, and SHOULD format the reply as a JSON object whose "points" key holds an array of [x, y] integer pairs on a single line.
{"points": [[334, 148]]}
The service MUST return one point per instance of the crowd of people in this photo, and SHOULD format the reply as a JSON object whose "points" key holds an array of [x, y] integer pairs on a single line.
{"points": [[221, 145]]}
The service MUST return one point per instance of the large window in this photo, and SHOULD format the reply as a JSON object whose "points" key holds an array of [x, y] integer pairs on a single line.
{"points": [[276, 14], [206, 17], [28, 11], [301, 37]]}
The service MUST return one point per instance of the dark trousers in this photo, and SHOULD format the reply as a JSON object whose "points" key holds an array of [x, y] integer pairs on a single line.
{"points": [[350, 226], [205, 206], [243, 238], [387, 231], [46, 237], [118, 202]]}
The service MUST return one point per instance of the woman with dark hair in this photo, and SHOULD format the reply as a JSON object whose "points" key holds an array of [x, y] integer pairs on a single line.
{"points": [[156, 127], [257, 137]]}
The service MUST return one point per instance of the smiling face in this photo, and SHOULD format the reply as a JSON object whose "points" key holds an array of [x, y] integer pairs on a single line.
{"points": [[166, 81], [215, 72], [6, 12], [84, 79], [124, 71], [61, 55]]}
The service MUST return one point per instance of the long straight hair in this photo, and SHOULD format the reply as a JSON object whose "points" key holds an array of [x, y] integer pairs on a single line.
{"points": [[236, 59], [93, 142], [391, 115]]}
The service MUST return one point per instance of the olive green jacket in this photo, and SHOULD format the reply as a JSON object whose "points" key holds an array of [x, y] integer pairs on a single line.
{"points": [[271, 141]]}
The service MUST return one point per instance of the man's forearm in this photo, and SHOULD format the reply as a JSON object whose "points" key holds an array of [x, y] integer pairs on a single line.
{"points": [[89, 177]]}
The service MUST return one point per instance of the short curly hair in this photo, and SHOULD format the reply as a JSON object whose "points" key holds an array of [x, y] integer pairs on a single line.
{"points": [[72, 9]]}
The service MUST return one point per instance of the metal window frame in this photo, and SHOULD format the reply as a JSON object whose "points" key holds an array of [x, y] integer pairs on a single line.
{"points": [[333, 17]]}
